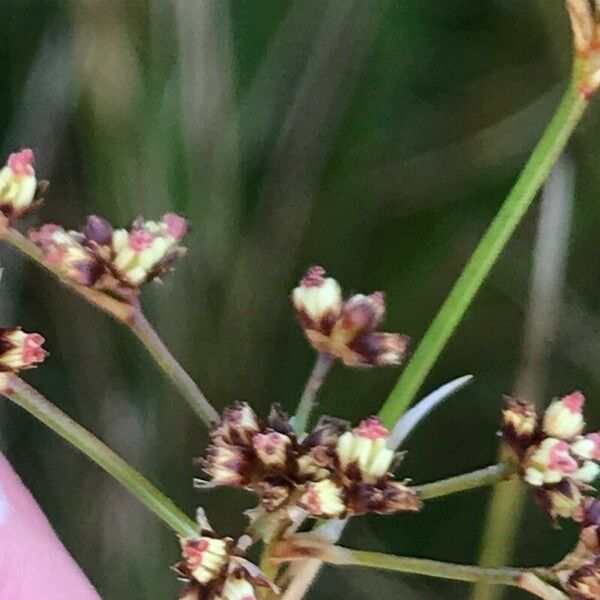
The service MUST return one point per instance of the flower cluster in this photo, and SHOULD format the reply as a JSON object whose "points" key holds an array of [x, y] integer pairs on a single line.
{"points": [[113, 259], [214, 569], [552, 453], [20, 192], [345, 329], [331, 472], [20, 350], [579, 572]]}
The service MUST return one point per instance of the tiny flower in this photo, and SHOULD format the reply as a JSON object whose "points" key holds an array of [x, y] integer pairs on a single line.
{"points": [[214, 568], [562, 499], [549, 463], [345, 330], [18, 185], [317, 300], [66, 251], [323, 498], [148, 250], [238, 426], [205, 557], [563, 419], [227, 465], [20, 350], [238, 588], [519, 425], [584, 582], [587, 447], [271, 448], [365, 448], [588, 472]]}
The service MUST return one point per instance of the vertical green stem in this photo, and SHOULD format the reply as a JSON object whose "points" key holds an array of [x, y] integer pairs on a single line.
{"points": [[33, 402], [488, 250]]}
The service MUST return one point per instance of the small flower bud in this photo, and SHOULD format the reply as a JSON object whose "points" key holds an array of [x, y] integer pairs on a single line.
{"points": [[98, 230], [205, 557], [238, 588], [549, 463], [226, 465], [563, 418], [366, 449], [588, 472], [585, 17], [519, 425], [562, 499], [238, 426], [17, 184], [271, 448], [148, 250], [361, 313], [377, 349], [317, 300], [65, 251], [584, 582], [323, 499], [20, 350]]}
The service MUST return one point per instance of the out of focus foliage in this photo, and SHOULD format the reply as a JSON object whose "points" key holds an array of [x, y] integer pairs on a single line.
{"points": [[375, 137]]}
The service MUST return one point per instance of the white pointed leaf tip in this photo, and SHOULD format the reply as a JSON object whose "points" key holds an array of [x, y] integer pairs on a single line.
{"points": [[409, 421]]}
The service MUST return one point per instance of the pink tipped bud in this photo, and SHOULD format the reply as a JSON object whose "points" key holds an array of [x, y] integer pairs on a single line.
{"points": [[140, 240], [177, 226], [372, 429], [563, 418], [315, 277], [271, 448], [21, 163], [20, 350]]}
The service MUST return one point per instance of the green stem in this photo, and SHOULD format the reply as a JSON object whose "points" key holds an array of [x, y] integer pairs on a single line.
{"points": [[315, 381], [468, 481], [433, 568], [132, 316], [33, 402], [488, 250]]}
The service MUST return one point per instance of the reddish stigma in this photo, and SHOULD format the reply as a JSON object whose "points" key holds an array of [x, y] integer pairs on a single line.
{"points": [[315, 277], [372, 428], [574, 402], [21, 163], [140, 239]]}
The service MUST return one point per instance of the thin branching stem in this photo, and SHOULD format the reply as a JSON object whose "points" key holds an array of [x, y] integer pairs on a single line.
{"points": [[469, 481], [488, 250], [22, 394], [303, 546], [315, 381], [132, 316]]}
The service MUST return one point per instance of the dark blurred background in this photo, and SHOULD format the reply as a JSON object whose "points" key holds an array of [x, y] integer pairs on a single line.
{"points": [[375, 137]]}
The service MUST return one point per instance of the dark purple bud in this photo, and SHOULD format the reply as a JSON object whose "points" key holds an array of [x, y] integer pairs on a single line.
{"points": [[98, 230]]}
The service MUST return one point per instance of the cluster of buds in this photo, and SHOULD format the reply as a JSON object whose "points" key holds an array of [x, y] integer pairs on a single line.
{"points": [[331, 472], [20, 192], [214, 568], [345, 329], [117, 260], [579, 572], [20, 350], [552, 454]]}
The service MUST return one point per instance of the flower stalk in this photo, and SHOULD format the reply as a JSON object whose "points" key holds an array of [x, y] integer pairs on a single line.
{"points": [[132, 316], [520, 198], [28, 398], [303, 546], [315, 381], [469, 481]]}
